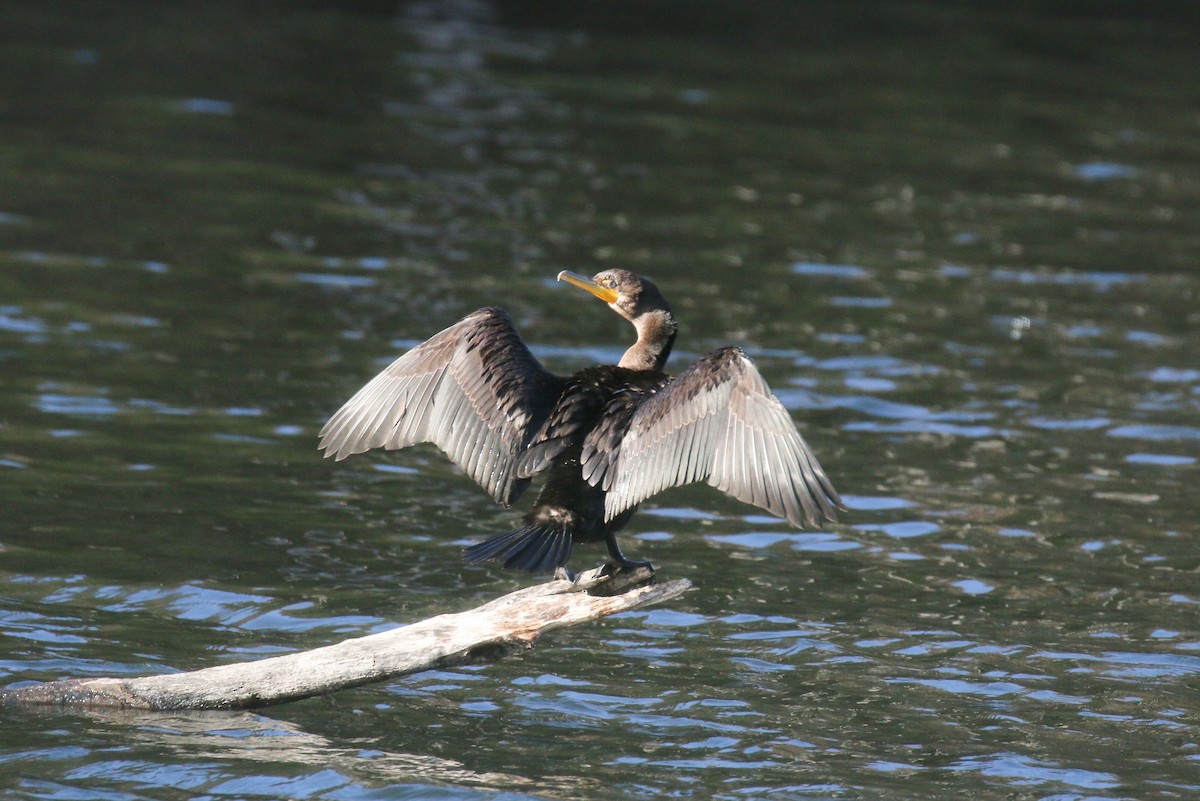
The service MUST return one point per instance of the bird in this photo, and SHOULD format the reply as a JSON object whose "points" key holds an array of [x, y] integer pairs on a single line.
{"points": [[605, 438]]}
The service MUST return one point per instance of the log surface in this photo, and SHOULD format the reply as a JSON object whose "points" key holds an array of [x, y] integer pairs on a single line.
{"points": [[509, 624]]}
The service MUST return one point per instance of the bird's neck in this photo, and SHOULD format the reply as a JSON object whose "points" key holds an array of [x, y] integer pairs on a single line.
{"points": [[656, 335]]}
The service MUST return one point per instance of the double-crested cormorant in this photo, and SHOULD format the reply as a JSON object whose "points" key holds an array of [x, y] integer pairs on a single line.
{"points": [[607, 437]]}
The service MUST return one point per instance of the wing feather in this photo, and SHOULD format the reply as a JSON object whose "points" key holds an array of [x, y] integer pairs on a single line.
{"points": [[474, 390], [717, 422]]}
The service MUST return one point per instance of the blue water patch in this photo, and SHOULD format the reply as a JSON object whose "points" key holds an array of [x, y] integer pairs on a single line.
{"points": [[88, 405], [762, 665], [830, 270], [847, 301], [741, 618], [186, 602], [14, 322], [893, 767], [863, 384], [878, 642], [319, 784], [1079, 424], [1173, 375], [753, 539], [1027, 770], [244, 439], [334, 280], [1156, 433], [1084, 331], [822, 541], [825, 544], [990, 689], [925, 427], [788, 634], [1051, 697], [712, 742], [1105, 171], [281, 620], [841, 338], [549, 680], [681, 513], [874, 502], [43, 633], [137, 320], [955, 271], [563, 704], [1131, 663], [158, 407], [754, 519], [1096, 280], [881, 407], [902, 530], [715, 763], [669, 618], [1146, 338], [1160, 459], [204, 105], [874, 363], [973, 586], [614, 702], [654, 536]]}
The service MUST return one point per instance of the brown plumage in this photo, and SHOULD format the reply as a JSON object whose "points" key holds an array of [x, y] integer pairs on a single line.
{"points": [[607, 437]]}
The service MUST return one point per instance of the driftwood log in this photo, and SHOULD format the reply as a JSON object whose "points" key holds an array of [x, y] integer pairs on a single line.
{"points": [[508, 625]]}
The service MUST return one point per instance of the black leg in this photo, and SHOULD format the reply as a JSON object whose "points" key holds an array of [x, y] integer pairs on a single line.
{"points": [[617, 560]]}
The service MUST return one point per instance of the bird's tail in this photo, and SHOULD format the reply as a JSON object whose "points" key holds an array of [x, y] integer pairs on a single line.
{"points": [[538, 549]]}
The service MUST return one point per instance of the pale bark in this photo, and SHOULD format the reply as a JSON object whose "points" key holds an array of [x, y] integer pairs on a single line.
{"points": [[510, 624]]}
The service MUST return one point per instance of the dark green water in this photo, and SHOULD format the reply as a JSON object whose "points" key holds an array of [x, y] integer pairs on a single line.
{"points": [[961, 244]]}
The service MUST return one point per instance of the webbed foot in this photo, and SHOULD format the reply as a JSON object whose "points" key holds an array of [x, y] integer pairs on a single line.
{"points": [[619, 562], [614, 567]]}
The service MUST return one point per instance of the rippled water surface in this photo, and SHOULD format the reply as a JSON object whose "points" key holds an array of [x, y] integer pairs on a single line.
{"points": [[960, 243]]}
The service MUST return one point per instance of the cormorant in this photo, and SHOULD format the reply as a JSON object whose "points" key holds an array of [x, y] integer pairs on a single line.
{"points": [[607, 437]]}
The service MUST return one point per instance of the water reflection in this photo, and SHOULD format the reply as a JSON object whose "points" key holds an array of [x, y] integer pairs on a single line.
{"points": [[198, 752]]}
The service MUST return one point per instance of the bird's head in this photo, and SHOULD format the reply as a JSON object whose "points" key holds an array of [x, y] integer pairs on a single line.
{"points": [[638, 300], [628, 294]]}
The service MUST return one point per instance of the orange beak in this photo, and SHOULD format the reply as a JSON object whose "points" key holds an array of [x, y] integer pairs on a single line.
{"points": [[604, 293]]}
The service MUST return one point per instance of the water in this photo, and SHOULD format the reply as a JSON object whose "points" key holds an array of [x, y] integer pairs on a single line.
{"points": [[959, 243]]}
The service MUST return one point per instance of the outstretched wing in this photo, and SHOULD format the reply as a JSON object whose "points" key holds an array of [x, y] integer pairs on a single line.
{"points": [[474, 390], [717, 422]]}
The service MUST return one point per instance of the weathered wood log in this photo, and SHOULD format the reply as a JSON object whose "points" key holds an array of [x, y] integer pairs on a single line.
{"points": [[508, 625]]}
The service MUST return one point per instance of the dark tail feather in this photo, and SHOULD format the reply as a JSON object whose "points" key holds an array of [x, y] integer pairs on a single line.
{"points": [[534, 548]]}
